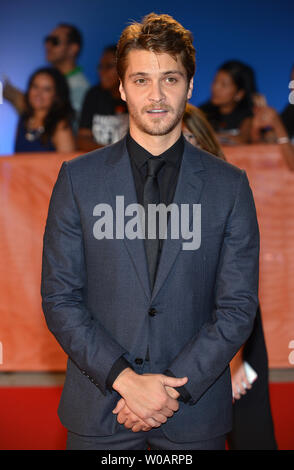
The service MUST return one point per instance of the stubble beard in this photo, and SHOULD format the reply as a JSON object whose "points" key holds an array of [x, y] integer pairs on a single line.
{"points": [[158, 127]]}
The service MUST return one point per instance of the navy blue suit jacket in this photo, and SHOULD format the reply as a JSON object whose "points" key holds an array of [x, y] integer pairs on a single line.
{"points": [[96, 293]]}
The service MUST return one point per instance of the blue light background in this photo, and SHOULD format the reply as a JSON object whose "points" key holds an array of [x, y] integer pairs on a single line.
{"points": [[258, 32]]}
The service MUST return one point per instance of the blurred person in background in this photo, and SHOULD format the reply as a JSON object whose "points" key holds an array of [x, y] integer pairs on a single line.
{"points": [[252, 420], [62, 47], [104, 118], [288, 112], [45, 123], [197, 130], [270, 127], [229, 109]]}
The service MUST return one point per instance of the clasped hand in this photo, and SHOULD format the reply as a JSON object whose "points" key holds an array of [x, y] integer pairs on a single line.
{"points": [[147, 401]]}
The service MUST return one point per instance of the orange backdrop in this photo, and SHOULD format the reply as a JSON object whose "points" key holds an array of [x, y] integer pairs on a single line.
{"points": [[26, 183]]}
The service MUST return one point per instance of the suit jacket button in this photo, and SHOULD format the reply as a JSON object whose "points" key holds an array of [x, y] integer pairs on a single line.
{"points": [[139, 361], [152, 312]]}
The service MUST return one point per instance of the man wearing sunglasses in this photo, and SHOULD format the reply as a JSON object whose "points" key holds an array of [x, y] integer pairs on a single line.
{"points": [[104, 118], [62, 48]]}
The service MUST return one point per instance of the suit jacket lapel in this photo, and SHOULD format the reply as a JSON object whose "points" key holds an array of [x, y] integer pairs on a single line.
{"points": [[188, 191], [120, 182]]}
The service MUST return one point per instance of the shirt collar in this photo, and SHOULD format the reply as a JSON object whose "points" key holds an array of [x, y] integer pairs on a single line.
{"points": [[74, 71], [172, 156]]}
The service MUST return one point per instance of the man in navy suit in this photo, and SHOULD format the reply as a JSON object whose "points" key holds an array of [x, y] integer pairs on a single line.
{"points": [[150, 320]]}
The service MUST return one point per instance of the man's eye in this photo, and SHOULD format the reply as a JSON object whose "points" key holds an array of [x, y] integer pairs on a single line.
{"points": [[171, 80], [140, 81]]}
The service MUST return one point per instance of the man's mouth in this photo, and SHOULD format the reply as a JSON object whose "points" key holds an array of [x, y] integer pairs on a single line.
{"points": [[157, 111]]}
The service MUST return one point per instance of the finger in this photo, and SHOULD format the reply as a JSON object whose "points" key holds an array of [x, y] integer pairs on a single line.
{"points": [[246, 383], [167, 412], [174, 381], [136, 418], [128, 424], [172, 404], [136, 424], [242, 389], [133, 420], [160, 418], [137, 428], [126, 415], [131, 415], [122, 417], [119, 406], [172, 392], [141, 426], [234, 390], [152, 422], [237, 393]]}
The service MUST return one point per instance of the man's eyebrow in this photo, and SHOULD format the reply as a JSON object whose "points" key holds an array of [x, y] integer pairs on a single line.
{"points": [[145, 74], [173, 72]]}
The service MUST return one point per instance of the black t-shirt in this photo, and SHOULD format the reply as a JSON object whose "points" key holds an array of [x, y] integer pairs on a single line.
{"points": [[106, 116], [225, 122], [288, 119]]}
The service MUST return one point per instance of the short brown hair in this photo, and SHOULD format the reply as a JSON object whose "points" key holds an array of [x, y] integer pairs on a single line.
{"points": [[160, 34]]}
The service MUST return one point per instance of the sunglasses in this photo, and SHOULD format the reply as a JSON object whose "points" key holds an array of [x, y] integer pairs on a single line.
{"points": [[54, 40]]}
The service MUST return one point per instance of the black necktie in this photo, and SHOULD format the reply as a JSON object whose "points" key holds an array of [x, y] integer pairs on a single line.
{"points": [[152, 196]]}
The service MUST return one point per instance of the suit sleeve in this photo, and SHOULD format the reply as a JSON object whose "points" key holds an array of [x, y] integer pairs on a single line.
{"points": [[81, 336], [209, 352]]}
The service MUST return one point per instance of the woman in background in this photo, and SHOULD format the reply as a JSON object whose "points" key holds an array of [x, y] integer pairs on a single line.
{"points": [[252, 420], [270, 127], [197, 130], [229, 110], [45, 125], [287, 114]]}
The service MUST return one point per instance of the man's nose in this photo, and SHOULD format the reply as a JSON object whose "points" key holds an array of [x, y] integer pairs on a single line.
{"points": [[156, 92]]}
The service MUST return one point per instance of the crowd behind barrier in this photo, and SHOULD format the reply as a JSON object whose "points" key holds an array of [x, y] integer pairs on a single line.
{"points": [[59, 111]]}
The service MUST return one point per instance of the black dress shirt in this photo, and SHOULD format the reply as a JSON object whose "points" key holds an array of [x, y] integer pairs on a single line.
{"points": [[167, 180]]}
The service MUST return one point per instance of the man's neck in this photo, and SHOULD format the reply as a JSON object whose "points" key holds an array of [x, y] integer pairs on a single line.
{"points": [[155, 144], [66, 66]]}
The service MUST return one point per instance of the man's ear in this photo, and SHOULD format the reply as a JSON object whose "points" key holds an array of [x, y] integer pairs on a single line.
{"points": [[122, 91], [190, 88]]}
